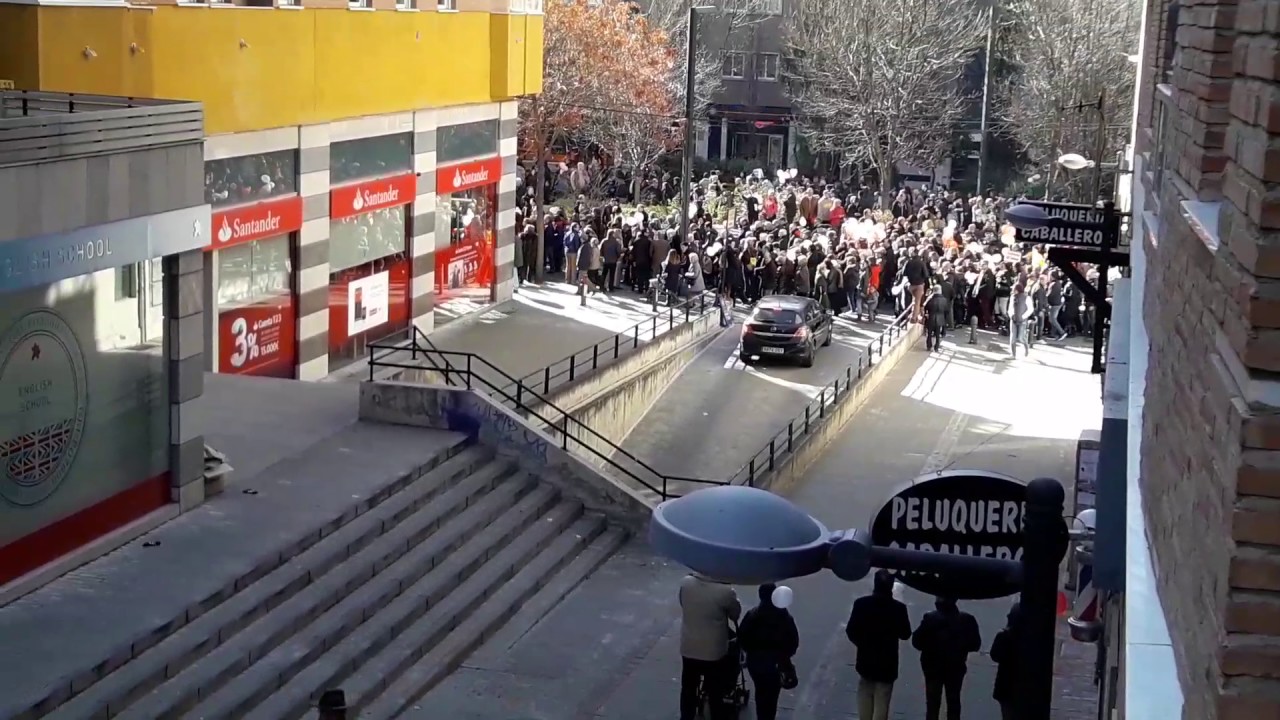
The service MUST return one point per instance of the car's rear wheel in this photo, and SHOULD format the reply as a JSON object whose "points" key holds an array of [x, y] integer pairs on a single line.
{"points": [[806, 360], [745, 358], [826, 341]]}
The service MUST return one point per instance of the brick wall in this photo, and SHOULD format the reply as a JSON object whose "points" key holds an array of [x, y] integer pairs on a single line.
{"points": [[1211, 467]]}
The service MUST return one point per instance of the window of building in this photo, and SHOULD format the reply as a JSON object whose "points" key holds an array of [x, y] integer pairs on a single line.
{"points": [[447, 5], [360, 4], [1170, 42], [250, 178], [735, 65], [468, 140], [127, 281], [370, 157], [406, 4], [767, 67]]}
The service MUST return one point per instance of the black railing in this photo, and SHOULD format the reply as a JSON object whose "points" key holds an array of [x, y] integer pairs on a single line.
{"points": [[610, 349], [766, 460], [471, 370]]}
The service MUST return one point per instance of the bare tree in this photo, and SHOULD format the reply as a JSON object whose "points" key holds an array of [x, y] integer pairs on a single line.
{"points": [[877, 81], [1068, 53]]}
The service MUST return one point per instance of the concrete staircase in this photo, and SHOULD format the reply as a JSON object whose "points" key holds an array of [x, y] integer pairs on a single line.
{"points": [[384, 606]]}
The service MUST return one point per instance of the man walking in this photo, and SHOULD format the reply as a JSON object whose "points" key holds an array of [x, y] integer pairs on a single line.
{"points": [[877, 624], [706, 609], [945, 638]]}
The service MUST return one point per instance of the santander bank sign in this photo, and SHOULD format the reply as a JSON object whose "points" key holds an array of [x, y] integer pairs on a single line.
{"points": [[468, 175], [258, 221], [371, 195]]}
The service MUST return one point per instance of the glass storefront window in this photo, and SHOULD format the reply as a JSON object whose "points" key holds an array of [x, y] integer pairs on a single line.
{"points": [[465, 270], [361, 238], [468, 140], [91, 423], [370, 157], [232, 181], [256, 315], [368, 302]]}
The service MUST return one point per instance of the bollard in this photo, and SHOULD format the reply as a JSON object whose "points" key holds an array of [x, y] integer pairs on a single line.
{"points": [[332, 705]]}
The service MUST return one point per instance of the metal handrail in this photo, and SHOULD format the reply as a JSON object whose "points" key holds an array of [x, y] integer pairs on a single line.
{"points": [[559, 427], [531, 403], [589, 358], [816, 410]]}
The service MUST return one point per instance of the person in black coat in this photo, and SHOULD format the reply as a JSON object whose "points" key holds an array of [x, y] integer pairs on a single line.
{"points": [[1004, 653], [945, 638], [878, 623], [936, 309], [768, 636]]}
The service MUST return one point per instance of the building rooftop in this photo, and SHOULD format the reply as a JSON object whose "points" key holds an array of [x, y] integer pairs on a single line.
{"points": [[44, 126]]}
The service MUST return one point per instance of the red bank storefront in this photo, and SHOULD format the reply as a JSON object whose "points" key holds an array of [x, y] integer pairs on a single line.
{"points": [[369, 262], [256, 299], [467, 194]]}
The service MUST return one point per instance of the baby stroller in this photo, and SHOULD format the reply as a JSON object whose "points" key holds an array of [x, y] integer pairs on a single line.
{"points": [[739, 695]]}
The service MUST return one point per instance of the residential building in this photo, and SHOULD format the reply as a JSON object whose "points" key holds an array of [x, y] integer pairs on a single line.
{"points": [[750, 117], [336, 173], [1194, 628]]}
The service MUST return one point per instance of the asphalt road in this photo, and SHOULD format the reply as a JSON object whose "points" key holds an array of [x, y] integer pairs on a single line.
{"points": [[610, 650], [719, 412]]}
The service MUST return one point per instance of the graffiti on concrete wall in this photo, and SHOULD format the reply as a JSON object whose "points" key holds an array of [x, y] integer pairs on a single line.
{"points": [[469, 414]]}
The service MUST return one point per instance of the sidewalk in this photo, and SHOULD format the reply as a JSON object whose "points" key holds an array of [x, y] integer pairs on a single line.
{"points": [[546, 324], [610, 650]]}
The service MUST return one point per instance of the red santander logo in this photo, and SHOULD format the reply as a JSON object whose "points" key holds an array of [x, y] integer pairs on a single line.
{"points": [[372, 195], [256, 222], [464, 176]]}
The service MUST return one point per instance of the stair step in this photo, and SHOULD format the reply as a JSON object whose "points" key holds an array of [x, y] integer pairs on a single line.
{"points": [[338, 601], [113, 693], [551, 595], [371, 617], [557, 569], [534, 551]]}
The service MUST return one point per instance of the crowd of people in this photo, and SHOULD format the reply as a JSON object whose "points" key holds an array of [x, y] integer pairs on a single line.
{"points": [[229, 181], [948, 258], [767, 640]]}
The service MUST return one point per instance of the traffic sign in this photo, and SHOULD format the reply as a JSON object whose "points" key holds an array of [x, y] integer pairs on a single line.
{"points": [[1074, 225]]}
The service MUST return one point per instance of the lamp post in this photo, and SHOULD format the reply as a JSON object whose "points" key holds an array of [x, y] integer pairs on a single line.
{"points": [[690, 87]]}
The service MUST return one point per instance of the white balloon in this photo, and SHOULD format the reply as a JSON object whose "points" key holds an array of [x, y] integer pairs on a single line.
{"points": [[899, 591], [782, 597]]}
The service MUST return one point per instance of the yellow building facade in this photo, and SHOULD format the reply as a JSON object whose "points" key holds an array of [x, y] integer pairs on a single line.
{"points": [[360, 156]]}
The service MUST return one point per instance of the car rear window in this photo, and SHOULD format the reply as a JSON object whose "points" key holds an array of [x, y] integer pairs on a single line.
{"points": [[777, 316]]}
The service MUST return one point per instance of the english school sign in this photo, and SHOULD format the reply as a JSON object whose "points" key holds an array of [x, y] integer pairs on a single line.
{"points": [[960, 513], [1073, 228]]}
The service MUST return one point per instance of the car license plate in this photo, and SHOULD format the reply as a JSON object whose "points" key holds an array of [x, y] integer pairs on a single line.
{"points": [[772, 350]]}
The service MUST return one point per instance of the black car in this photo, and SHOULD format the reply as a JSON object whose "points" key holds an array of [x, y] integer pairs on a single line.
{"points": [[785, 327]]}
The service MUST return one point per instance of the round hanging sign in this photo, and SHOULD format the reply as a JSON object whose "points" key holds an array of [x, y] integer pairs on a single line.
{"points": [[960, 512]]}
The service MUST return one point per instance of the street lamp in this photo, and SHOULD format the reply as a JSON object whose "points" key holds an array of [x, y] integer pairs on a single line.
{"points": [[690, 86]]}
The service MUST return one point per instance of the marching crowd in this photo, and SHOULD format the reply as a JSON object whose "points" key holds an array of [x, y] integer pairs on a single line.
{"points": [[947, 257]]}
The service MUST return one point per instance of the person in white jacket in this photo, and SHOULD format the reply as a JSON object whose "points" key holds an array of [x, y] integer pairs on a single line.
{"points": [[696, 282]]}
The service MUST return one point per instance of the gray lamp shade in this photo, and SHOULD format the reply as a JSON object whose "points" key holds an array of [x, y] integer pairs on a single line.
{"points": [[741, 535]]}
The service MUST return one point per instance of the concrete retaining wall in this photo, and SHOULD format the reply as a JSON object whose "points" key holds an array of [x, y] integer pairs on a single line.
{"points": [[509, 435], [791, 467]]}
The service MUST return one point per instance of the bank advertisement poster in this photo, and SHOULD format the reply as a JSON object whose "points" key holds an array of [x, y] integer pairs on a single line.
{"points": [[368, 302], [258, 339], [467, 266]]}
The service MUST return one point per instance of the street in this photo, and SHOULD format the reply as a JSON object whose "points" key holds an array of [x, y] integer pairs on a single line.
{"points": [[720, 411], [609, 651]]}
